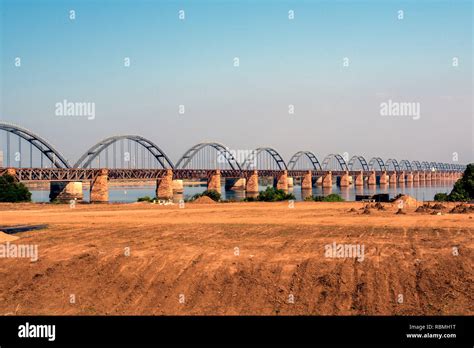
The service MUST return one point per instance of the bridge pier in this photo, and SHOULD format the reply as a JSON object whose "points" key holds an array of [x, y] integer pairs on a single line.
{"points": [[383, 178], [401, 178], [345, 180], [178, 186], [372, 179], [359, 181], [99, 188], [290, 182], [282, 181], [428, 177], [327, 180], [214, 181], [252, 183], [65, 191], [307, 182], [164, 186], [410, 178], [416, 177], [393, 179]]}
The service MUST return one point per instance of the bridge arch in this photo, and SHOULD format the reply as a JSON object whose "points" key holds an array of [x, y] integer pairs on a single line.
{"points": [[361, 160], [224, 156], [86, 159], [379, 162], [302, 154], [335, 158], [46, 149], [416, 165], [425, 165], [272, 159], [391, 162], [433, 166], [405, 165]]}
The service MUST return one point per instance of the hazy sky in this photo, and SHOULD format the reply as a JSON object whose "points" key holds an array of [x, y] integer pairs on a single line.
{"points": [[283, 61]]}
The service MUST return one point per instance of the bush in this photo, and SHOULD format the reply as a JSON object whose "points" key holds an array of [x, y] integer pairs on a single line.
{"points": [[145, 199], [463, 189], [212, 194], [12, 191], [441, 197], [272, 194], [329, 198]]}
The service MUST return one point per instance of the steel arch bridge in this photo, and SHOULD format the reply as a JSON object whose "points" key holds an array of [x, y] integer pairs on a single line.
{"points": [[379, 161], [392, 162], [302, 154], [102, 146], [224, 156], [252, 161], [46, 149], [361, 160], [405, 165], [338, 158]]}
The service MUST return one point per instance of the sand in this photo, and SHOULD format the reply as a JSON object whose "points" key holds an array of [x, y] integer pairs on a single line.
{"points": [[238, 258]]}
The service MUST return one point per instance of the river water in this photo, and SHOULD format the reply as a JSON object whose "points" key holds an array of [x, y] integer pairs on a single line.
{"points": [[422, 192]]}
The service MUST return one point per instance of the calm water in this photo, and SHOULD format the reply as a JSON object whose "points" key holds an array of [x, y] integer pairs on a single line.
{"points": [[130, 194]]}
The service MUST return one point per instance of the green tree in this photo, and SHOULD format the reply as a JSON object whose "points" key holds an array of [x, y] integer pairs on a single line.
{"points": [[463, 189], [12, 191]]}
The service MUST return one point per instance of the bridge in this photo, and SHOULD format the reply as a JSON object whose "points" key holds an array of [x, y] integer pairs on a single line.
{"points": [[133, 157]]}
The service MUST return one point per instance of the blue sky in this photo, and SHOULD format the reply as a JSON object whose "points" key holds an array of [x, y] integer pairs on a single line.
{"points": [[282, 62]]}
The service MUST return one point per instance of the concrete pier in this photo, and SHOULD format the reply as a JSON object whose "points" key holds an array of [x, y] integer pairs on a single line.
{"points": [[401, 178], [307, 182], [214, 181], [282, 181], [65, 191], [393, 179], [178, 186], [164, 186], [327, 180], [372, 179], [99, 189], [345, 180], [384, 178], [252, 183], [360, 179]]}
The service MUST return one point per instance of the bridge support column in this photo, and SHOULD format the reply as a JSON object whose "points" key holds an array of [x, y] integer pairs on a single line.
{"points": [[99, 188], [372, 179], [290, 182], [214, 181], [282, 181], [421, 177], [178, 186], [416, 177], [393, 179], [65, 191], [428, 177], [345, 180], [360, 179], [307, 183], [327, 180], [252, 183], [384, 178], [164, 186], [401, 178], [410, 178]]}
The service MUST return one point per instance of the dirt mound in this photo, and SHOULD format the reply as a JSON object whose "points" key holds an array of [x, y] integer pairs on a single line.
{"points": [[425, 208], [438, 206], [406, 200], [204, 200], [379, 206], [7, 237], [400, 212], [462, 209]]}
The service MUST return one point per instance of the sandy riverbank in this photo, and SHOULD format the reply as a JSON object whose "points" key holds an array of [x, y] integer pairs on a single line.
{"points": [[238, 258]]}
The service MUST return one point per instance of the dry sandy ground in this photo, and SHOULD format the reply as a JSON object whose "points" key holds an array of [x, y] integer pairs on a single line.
{"points": [[237, 258]]}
